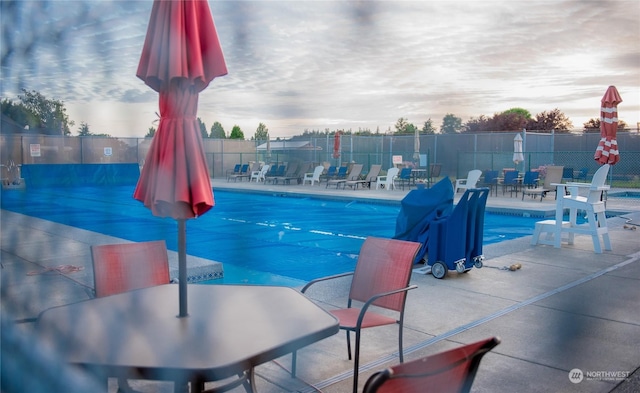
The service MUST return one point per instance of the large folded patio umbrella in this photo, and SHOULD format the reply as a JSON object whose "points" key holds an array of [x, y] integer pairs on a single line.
{"points": [[518, 153], [416, 145], [607, 151], [180, 57], [336, 145]]}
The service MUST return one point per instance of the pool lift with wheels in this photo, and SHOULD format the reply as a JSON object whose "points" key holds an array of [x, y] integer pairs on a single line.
{"points": [[455, 241]]}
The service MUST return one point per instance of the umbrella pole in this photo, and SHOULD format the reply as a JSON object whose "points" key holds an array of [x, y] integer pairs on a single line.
{"points": [[182, 267]]}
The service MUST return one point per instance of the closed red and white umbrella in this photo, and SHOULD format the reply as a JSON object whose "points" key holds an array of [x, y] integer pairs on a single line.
{"points": [[180, 57], [336, 145], [607, 151]]}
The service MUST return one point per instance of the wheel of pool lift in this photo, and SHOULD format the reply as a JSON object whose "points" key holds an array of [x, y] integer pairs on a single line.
{"points": [[460, 267], [439, 270], [477, 262]]}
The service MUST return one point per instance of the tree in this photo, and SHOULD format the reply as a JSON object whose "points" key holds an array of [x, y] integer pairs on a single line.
{"points": [[84, 129], [593, 125], [236, 133], [203, 128], [404, 127], [217, 131], [478, 124], [262, 132], [508, 121], [451, 124], [151, 132], [19, 113], [547, 121], [51, 114], [519, 111], [428, 127]]}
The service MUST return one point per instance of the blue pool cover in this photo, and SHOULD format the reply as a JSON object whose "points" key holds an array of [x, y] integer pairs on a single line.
{"points": [[300, 238]]}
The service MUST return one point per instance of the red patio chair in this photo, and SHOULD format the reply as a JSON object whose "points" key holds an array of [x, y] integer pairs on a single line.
{"points": [[445, 372], [124, 267], [381, 279]]}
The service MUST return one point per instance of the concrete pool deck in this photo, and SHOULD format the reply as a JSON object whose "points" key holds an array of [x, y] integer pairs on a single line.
{"points": [[566, 308]]}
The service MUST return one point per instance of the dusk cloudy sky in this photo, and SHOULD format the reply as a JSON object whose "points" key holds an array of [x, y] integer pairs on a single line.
{"points": [[296, 65]]}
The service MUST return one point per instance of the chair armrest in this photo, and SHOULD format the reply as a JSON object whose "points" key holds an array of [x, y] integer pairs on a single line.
{"points": [[373, 298], [317, 280]]}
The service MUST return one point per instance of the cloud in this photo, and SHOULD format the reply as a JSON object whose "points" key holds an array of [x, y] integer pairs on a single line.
{"points": [[297, 65]]}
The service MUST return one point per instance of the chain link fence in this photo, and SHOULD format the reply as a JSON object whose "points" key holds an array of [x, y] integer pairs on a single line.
{"points": [[457, 153]]}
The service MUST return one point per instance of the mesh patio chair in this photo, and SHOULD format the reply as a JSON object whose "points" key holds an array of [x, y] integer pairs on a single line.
{"points": [[381, 279], [124, 267], [446, 372]]}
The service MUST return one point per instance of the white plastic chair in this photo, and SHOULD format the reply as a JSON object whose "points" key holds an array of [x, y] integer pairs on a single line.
{"points": [[313, 177], [259, 176], [470, 182], [592, 203], [388, 180]]}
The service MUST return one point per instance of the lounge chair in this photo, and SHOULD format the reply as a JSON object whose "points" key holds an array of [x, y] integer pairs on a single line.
{"points": [[259, 176], [388, 181], [354, 174], [332, 171], [453, 370], [470, 182], [235, 171], [372, 175], [554, 175], [272, 176], [235, 176], [314, 176], [340, 174], [299, 174], [381, 279], [290, 172]]}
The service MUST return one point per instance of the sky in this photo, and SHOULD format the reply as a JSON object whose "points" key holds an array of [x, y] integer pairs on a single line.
{"points": [[348, 65]]}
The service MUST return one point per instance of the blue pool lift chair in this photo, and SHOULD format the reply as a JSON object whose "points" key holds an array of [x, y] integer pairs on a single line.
{"points": [[455, 241], [476, 221]]}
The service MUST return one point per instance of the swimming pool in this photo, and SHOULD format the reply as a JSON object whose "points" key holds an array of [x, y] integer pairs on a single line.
{"points": [[259, 238]]}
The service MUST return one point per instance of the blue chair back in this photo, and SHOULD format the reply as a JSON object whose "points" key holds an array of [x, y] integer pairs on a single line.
{"points": [[510, 177], [491, 177], [567, 173], [530, 178], [405, 174]]}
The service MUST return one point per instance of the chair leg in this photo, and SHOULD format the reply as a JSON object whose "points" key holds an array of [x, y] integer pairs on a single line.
{"points": [[356, 362], [400, 348], [349, 343], [294, 361]]}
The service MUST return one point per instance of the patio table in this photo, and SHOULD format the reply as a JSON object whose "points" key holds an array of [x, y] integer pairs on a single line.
{"points": [[230, 330]]}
